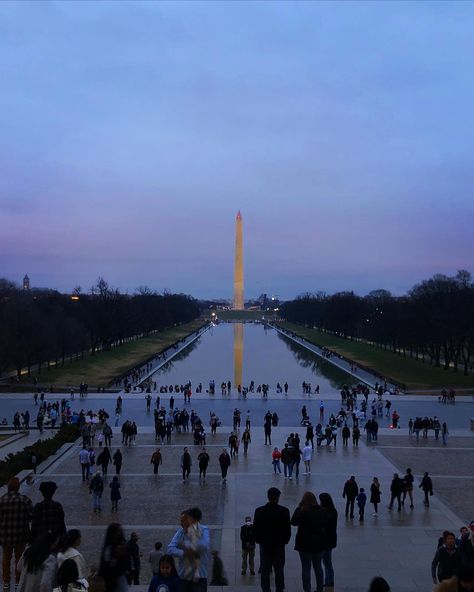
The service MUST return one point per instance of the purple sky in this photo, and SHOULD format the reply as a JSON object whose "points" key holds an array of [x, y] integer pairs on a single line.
{"points": [[131, 133]]}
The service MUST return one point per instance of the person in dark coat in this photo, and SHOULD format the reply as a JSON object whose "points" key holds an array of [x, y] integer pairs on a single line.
{"points": [[396, 490], [104, 459], [311, 520], [48, 515], [331, 538], [135, 563], [272, 529], [118, 460], [427, 486], [224, 461], [447, 560], [350, 492]]}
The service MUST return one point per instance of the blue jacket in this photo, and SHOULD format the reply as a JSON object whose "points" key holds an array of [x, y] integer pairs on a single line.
{"points": [[181, 541]]}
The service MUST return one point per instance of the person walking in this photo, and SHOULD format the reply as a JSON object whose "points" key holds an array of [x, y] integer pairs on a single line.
{"points": [[84, 462], [427, 486], [326, 502], [16, 511], [203, 460], [247, 538], [350, 492], [267, 428], [114, 559], [39, 567], [311, 520], [276, 457], [156, 460], [361, 501], [117, 461], [104, 459], [375, 495], [191, 546], [447, 560], [246, 439], [96, 488], [115, 493], [408, 487], [307, 455], [272, 529], [224, 462], [355, 436], [186, 463], [396, 489], [444, 433]]}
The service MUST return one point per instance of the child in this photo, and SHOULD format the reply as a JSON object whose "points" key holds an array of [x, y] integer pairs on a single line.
{"points": [[115, 493], [361, 501], [155, 557], [167, 580]]}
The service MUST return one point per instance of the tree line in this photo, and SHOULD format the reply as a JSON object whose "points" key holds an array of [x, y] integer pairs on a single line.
{"points": [[434, 322], [41, 326]]}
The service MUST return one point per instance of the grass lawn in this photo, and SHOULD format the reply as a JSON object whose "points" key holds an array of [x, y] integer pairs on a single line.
{"points": [[104, 367], [244, 315], [411, 372]]}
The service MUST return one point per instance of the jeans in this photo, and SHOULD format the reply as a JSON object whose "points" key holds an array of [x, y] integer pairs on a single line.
{"points": [[276, 465], [8, 552], [328, 568], [272, 557], [85, 471], [199, 586], [314, 558], [97, 501]]}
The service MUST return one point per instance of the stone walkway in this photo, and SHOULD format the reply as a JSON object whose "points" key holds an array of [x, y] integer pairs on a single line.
{"points": [[398, 546]]}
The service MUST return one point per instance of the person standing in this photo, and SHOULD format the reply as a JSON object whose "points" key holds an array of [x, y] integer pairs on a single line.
{"points": [[115, 493], [287, 459], [267, 428], [16, 511], [346, 434], [272, 529], [156, 460], [307, 455], [224, 462], [247, 538], [427, 486], [135, 562], [96, 488], [331, 538], [276, 456], [350, 492], [355, 436], [396, 489], [444, 433], [203, 460], [311, 520], [186, 463], [447, 560], [191, 545], [375, 494], [48, 515]]}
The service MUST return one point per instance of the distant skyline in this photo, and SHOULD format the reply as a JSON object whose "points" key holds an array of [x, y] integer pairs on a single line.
{"points": [[132, 133]]}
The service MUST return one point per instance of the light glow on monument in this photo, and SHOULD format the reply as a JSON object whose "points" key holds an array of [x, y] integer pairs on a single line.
{"points": [[239, 265]]}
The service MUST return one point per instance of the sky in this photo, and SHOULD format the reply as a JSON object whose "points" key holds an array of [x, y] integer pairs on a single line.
{"points": [[132, 133]]}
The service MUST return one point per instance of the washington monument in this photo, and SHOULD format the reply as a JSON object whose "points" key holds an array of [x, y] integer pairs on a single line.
{"points": [[239, 266]]}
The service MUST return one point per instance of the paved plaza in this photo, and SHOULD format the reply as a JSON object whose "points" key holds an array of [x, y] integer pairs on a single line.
{"points": [[398, 546]]}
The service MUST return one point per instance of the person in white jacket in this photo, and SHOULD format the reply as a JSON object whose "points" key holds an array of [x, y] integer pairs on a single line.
{"points": [[307, 456], [69, 550]]}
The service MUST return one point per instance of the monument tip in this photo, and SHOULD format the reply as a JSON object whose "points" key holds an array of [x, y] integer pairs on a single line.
{"points": [[239, 215]]}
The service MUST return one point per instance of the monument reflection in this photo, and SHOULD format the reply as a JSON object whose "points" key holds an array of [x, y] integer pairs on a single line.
{"points": [[238, 353]]}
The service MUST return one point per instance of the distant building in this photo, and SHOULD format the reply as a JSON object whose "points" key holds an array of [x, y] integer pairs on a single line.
{"points": [[26, 282]]}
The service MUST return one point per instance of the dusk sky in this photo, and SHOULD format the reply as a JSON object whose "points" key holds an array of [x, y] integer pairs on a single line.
{"points": [[132, 133]]}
